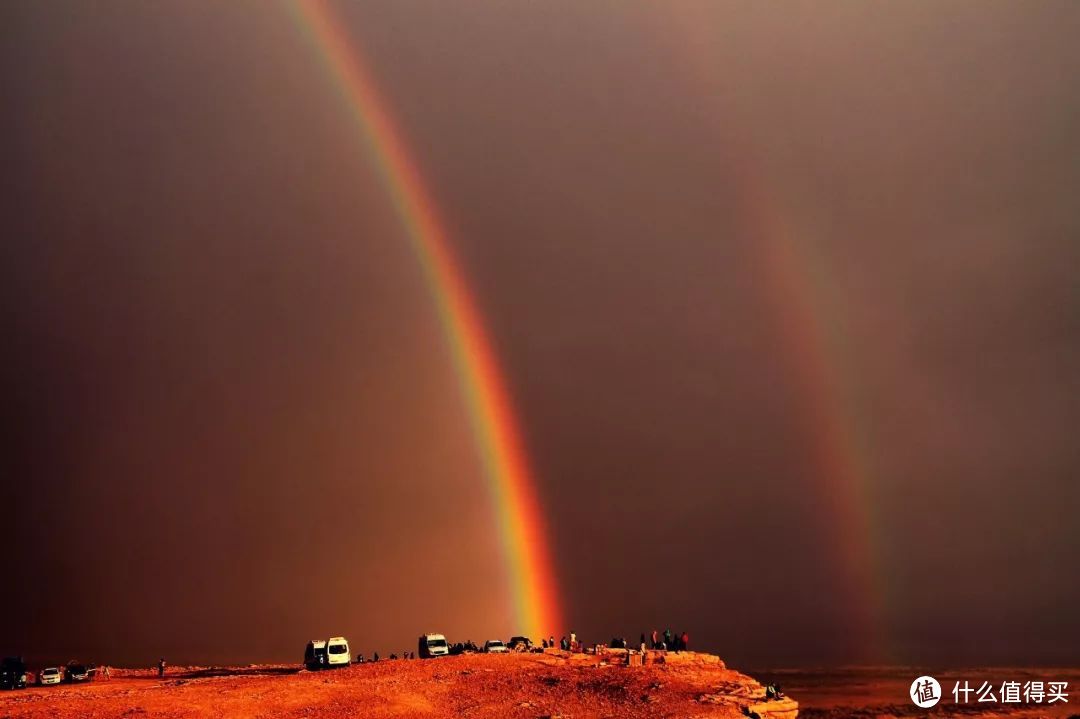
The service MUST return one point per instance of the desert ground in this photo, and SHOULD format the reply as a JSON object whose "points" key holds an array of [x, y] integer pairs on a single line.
{"points": [[514, 686], [518, 686]]}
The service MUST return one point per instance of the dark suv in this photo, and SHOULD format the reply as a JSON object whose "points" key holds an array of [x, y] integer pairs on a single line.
{"points": [[76, 673], [13, 673]]}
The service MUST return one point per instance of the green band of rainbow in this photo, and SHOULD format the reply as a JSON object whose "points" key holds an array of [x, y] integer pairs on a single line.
{"points": [[520, 522]]}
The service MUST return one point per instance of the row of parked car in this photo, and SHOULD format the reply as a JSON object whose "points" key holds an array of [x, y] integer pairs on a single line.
{"points": [[334, 652], [494, 646], [318, 654], [435, 645], [14, 674]]}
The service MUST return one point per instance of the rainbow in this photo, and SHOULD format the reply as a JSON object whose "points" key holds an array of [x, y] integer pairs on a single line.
{"points": [[796, 283], [522, 531], [795, 286]]}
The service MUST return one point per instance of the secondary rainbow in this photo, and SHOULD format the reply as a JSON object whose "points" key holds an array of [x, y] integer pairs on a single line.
{"points": [[795, 284], [520, 522]]}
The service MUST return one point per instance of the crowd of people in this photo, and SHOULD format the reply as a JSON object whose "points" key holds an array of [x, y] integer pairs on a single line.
{"points": [[666, 641], [360, 659], [570, 644]]}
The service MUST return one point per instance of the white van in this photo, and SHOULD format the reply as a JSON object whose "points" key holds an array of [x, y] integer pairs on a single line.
{"points": [[432, 645], [337, 652]]}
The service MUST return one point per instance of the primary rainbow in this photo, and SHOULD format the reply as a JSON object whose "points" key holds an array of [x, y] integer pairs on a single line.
{"points": [[520, 521]]}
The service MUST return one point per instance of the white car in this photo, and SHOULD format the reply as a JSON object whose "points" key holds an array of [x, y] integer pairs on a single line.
{"points": [[50, 675], [433, 645], [495, 646], [337, 652]]}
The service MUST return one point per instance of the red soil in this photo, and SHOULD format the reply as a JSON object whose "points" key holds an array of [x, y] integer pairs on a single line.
{"points": [[518, 686], [514, 686]]}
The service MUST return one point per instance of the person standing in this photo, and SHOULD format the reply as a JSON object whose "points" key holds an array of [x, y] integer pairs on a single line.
{"points": [[684, 640], [655, 639], [161, 667], [668, 636]]}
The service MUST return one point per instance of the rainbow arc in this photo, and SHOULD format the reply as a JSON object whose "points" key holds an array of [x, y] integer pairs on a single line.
{"points": [[522, 531]]}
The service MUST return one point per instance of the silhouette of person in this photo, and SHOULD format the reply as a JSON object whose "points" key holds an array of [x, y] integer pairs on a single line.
{"points": [[161, 667]]}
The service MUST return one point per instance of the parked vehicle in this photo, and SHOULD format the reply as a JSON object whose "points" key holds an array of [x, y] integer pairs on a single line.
{"points": [[75, 673], [315, 655], [520, 644], [13, 673], [49, 675], [432, 645], [495, 646], [337, 652]]}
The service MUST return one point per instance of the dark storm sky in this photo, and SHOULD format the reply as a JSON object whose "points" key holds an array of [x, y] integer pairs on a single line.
{"points": [[232, 423]]}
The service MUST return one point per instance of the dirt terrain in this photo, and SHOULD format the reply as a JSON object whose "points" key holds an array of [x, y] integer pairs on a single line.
{"points": [[554, 684], [523, 686]]}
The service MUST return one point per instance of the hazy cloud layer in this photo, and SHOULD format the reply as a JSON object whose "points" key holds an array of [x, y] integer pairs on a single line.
{"points": [[233, 420]]}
